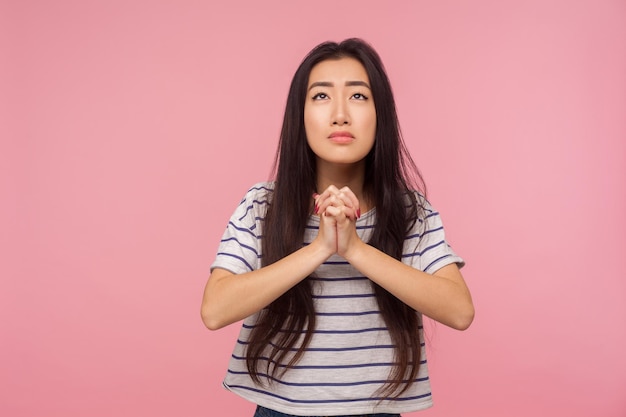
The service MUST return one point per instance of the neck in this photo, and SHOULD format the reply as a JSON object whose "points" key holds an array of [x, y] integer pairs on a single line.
{"points": [[343, 175]]}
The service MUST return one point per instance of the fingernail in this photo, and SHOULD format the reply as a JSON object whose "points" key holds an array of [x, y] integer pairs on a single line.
{"points": [[358, 213], [315, 195], [317, 208]]}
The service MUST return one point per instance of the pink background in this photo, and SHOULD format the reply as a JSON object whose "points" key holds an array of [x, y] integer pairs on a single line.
{"points": [[131, 129]]}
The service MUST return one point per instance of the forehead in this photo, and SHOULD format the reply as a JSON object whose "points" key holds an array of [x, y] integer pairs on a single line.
{"points": [[338, 71]]}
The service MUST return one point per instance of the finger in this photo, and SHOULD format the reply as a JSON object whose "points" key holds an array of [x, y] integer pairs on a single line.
{"points": [[330, 201], [354, 201], [350, 213], [320, 198], [343, 202], [316, 198], [332, 196], [336, 213], [323, 200], [346, 200], [331, 189]]}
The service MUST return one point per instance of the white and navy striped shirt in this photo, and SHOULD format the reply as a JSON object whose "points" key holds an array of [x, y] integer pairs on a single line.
{"points": [[350, 354]]}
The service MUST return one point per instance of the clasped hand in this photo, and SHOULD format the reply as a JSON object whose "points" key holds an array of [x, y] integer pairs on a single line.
{"points": [[338, 210]]}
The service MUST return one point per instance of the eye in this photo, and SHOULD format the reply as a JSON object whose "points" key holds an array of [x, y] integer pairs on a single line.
{"points": [[359, 96], [320, 96]]}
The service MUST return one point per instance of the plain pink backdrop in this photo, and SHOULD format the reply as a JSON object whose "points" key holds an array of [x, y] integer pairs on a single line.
{"points": [[131, 129]]}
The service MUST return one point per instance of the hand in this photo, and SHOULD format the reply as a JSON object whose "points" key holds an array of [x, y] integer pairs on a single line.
{"points": [[343, 199], [339, 209]]}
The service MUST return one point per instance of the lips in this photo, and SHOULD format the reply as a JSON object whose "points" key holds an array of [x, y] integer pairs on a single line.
{"points": [[341, 137]]}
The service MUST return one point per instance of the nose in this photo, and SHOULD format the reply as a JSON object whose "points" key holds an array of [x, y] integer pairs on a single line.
{"points": [[340, 114]]}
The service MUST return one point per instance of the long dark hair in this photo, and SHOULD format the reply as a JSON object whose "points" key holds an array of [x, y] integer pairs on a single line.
{"points": [[288, 323]]}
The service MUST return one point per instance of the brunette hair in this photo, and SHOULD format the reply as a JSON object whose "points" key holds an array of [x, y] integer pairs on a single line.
{"points": [[391, 176]]}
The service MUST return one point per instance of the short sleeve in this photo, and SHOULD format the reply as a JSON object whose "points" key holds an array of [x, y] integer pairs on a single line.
{"points": [[240, 248], [426, 247]]}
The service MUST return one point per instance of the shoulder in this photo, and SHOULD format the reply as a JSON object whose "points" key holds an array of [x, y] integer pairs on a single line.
{"points": [[417, 202], [255, 201], [261, 191]]}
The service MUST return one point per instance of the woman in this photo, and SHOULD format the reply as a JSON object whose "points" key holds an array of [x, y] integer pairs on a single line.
{"points": [[331, 265]]}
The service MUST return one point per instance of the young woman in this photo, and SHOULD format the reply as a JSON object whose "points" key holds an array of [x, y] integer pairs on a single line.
{"points": [[332, 265]]}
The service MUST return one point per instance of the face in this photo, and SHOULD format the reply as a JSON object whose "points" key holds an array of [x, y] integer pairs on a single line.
{"points": [[339, 112]]}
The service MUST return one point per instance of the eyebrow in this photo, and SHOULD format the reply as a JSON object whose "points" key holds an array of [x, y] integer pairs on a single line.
{"points": [[348, 84]]}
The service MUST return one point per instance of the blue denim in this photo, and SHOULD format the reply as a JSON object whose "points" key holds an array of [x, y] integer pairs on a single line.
{"points": [[266, 412]]}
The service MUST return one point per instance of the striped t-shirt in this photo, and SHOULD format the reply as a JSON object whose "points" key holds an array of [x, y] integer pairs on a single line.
{"points": [[350, 354]]}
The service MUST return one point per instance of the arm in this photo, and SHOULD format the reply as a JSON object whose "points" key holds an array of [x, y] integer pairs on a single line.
{"points": [[232, 297], [442, 296]]}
